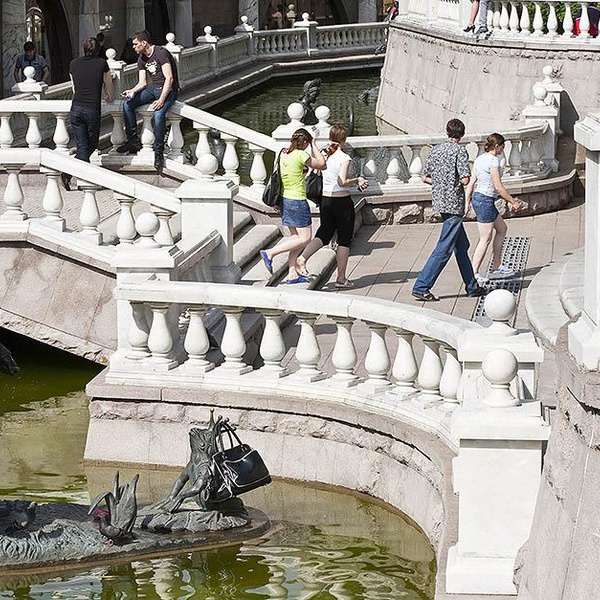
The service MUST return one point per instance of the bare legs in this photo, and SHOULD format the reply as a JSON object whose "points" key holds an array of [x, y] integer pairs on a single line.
{"points": [[498, 230], [341, 257], [299, 238], [474, 11]]}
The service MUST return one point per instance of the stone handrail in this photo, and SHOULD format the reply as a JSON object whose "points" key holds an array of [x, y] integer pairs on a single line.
{"points": [[359, 36], [281, 42], [531, 23]]}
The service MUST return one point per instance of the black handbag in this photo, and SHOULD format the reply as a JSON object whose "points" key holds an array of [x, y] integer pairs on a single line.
{"points": [[273, 190], [236, 469], [314, 186]]}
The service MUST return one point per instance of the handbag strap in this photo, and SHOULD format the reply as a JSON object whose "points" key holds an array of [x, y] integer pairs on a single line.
{"points": [[226, 429]]}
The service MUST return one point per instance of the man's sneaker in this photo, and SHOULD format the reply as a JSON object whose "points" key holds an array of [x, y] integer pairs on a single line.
{"points": [[483, 33], [502, 272], [478, 291], [129, 148], [159, 161], [481, 279]]}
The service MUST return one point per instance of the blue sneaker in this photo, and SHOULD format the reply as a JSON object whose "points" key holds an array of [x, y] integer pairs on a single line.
{"points": [[268, 261], [300, 279]]}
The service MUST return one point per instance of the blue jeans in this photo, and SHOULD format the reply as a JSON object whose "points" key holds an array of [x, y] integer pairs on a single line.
{"points": [[453, 239], [483, 15], [85, 123], [147, 96]]}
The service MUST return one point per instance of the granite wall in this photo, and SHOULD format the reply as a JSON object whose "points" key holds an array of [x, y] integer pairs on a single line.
{"points": [[561, 560], [427, 80]]}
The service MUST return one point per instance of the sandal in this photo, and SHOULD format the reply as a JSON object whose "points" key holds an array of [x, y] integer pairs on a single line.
{"points": [[346, 284], [300, 279], [301, 267], [425, 297]]}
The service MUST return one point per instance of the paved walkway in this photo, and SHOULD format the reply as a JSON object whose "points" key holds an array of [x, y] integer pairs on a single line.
{"points": [[386, 260]]}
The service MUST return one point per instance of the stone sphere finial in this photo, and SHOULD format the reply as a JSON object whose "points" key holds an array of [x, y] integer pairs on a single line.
{"points": [[244, 19], [147, 225], [500, 306], [170, 37], [539, 93], [295, 111], [208, 30], [547, 70], [29, 73], [111, 54], [322, 113], [207, 165], [500, 367], [305, 16]]}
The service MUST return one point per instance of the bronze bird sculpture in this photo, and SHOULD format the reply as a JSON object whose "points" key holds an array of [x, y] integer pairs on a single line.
{"points": [[116, 525]]}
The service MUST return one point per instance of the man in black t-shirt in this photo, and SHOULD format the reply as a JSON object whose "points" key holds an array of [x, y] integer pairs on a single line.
{"points": [[88, 74], [157, 85]]}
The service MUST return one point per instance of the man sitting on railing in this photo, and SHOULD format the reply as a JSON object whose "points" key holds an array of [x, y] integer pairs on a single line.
{"points": [[158, 84]]}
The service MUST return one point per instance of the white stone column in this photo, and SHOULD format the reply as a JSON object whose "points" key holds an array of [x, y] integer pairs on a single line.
{"points": [[540, 112], [207, 205], [14, 35], [184, 22], [89, 19], [584, 334], [135, 16], [367, 11]]}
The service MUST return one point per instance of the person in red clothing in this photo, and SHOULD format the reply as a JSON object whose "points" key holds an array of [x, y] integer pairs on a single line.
{"points": [[593, 16]]}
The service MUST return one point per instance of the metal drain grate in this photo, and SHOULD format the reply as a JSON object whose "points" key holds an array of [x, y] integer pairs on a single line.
{"points": [[515, 251]]}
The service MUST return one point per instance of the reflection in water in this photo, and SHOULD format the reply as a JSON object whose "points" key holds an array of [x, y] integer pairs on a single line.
{"points": [[324, 544]]}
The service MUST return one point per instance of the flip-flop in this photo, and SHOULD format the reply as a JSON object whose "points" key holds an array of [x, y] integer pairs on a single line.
{"points": [[300, 279], [301, 269], [268, 261], [346, 284]]}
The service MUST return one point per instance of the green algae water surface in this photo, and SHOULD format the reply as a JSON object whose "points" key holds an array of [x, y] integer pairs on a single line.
{"points": [[324, 545]]}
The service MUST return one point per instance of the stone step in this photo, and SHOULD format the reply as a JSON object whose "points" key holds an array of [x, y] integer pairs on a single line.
{"points": [[250, 242], [241, 220]]}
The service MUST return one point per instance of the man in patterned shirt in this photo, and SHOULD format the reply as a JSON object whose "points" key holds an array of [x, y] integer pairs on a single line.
{"points": [[447, 171]]}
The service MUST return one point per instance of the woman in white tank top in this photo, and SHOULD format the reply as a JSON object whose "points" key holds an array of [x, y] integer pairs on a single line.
{"points": [[337, 207]]}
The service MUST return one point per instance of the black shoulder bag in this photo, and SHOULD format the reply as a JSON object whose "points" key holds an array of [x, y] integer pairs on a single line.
{"points": [[314, 186], [236, 469], [273, 190]]}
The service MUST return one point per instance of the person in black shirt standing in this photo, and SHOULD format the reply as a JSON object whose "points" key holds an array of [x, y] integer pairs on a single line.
{"points": [[157, 84], [88, 73]]}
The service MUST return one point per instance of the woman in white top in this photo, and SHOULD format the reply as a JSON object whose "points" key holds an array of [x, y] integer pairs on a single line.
{"points": [[488, 186], [337, 208]]}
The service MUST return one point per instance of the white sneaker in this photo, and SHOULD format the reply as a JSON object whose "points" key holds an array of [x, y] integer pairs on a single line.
{"points": [[481, 279], [502, 272]]}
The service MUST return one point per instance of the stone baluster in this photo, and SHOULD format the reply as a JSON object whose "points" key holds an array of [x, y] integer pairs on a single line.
{"points": [[13, 196], [526, 156], [230, 158], [272, 346], [126, 231], [34, 135], [513, 22], [233, 344], [538, 21], [514, 157], [393, 169], [497, 15], [430, 371], [451, 374], [164, 235], [258, 171], [160, 339], [504, 18], [344, 355], [370, 168], [89, 217], [308, 352], [203, 145], [117, 135], [500, 367], [197, 343], [175, 139], [6, 134], [52, 202], [525, 22], [568, 22], [147, 137], [416, 164], [490, 15], [584, 22], [377, 360], [552, 23], [405, 369], [61, 134], [138, 332], [536, 154]]}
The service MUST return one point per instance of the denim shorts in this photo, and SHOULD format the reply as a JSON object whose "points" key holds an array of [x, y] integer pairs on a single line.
{"points": [[485, 208], [295, 213]]}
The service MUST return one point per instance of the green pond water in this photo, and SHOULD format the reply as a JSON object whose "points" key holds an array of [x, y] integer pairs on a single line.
{"points": [[324, 544]]}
